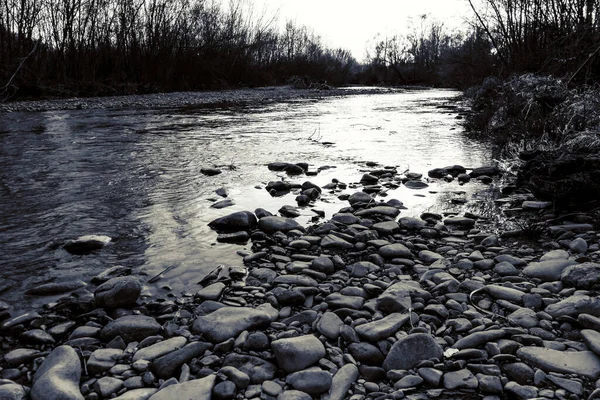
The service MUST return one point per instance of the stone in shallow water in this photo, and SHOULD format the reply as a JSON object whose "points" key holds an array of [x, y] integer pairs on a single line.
{"points": [[49, 289], [118, 292], [409, 351], [87, 244], [298, 353], [241, 220], [228, 322], [58, 376], [12, 391], [211, 292], [584, 363]]}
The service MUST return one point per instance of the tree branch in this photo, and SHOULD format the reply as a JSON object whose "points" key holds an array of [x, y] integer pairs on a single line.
{"points": [[8, 84]]}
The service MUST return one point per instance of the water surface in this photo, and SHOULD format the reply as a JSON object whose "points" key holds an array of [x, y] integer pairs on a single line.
{"points": [[134, 174]]}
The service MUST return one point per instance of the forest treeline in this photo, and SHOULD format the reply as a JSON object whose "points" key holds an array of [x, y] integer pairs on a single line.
{"points": [[97, 47], [106, 46]]}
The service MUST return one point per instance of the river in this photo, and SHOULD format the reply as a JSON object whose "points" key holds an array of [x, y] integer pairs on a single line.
{"points": [[133, 173]]}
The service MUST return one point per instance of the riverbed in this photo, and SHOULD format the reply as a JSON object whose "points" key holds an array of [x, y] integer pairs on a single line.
{"points": [[132, 170]]}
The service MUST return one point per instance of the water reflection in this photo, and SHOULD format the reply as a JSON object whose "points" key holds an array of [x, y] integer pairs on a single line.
{"points": [[135, 175]]}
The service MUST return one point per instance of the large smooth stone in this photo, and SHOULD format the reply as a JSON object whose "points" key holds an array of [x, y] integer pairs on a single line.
{"points": [[575, 305], [12, 391], [397, 298], [584, 363], [197, 389], [394, 250], [378, 210], [312, 381], [228, 322], [548, 270], [298, 353], [118, 292], [102, 360], [330, 325], [238, 221], [592, 339], [160, 349], [582, 276], [131, 328], [410, 350], [256, 368], [383, 328], [342, 381], [274, 224], [86, 244], [58, 376], [137, 394]]}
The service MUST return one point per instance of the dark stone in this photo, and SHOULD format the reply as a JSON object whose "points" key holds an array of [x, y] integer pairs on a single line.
{"points": [[256, 368], [241, 220], [167, 366]]}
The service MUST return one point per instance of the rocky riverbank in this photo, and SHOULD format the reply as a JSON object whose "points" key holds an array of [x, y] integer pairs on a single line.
{"points": [[369, 304], [191, 100]]}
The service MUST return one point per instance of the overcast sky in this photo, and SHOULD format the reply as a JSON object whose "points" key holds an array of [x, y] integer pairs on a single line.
{"points": [[350, 24]]}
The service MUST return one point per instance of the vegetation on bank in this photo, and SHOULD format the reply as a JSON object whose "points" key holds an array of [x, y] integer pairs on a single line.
{"points": [[96, 47]]}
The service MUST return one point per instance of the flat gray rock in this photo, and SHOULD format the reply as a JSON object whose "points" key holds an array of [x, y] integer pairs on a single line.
{"points": [[548, 270], [410, 350], [197, 389], [383, 328], [397, 297], [256, 368], [228, 322], [584, 363], [272, 224], [312, 381], [159, 349], [477, 339], [329, 325], [298, 353], [581, 276], [131, 328], [394, 250], [574, 305], [334, 242], [378, 210], [167, 366], [342, 381], [592, 339], [118, 292], [461, 379], [13, 391]]}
